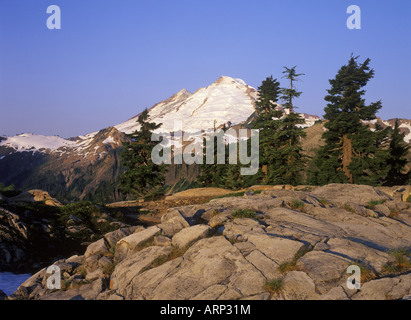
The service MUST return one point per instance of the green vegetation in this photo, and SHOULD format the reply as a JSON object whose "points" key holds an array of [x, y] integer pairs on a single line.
{"points": [[244, 213], [109, 269], [142, 177], [175, 253], [324, 202], [90, 216], [292, 265], [229, 195], [397, 159], [9, 191], [402, 261], [281, 159], [409, 199], [371, 205], [60, 231], [297, 204], [274, 286], [367, 274], [352, 153], [145, 244], [356, 150], [347, 207]]}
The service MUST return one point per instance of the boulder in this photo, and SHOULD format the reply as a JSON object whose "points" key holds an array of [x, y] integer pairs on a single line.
{"points": [[278, 249], [357, 252], [336, 293], [209, 262], [325, 269], [190, 235], [112, 238], [176, 217], [96, 248], [35, 196], [125, 271], [172, 222], [343, 193], [385, 289], [382, 210], [133, 242], [162, 241], [240, 228], [298, 285]]}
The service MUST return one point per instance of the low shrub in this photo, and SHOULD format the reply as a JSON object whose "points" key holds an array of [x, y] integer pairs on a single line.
{"points": [[244, 213], [297, 204], [274, 286], [229, 195], [371, 205], [402, 261], [292, 265]]}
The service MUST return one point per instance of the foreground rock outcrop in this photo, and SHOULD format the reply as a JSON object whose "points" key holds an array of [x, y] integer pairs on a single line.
{"points": [[35, 229], [277, 244]]}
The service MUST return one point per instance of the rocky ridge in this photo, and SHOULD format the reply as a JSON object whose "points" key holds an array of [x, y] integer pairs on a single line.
{"points": [[268, 244]]}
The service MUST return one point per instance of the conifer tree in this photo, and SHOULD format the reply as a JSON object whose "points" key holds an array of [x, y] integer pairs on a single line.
{"points": [[268, 122], [397, 159], [351, 153], [142, 177], [291, 93], [207, 178], [213, 174], [268, 94], [292, 159]]}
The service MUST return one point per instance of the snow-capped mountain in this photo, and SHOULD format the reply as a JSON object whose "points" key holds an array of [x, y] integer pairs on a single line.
{"points": [[29, 142], [88, 167], [226, 100]]}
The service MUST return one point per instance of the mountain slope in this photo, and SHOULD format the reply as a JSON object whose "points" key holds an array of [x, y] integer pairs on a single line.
{"points": [[227, 99], [88, 167]]}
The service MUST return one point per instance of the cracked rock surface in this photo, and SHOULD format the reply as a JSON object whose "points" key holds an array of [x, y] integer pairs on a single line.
{"points": [[303, 241]]}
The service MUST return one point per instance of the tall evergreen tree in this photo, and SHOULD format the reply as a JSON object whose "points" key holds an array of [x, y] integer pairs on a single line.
{"points": [[293, 160], [213, 174], [268, 95], [378, 161], [268, 122], [291, 93], [397, 159], [350, 153], [142, 177]]}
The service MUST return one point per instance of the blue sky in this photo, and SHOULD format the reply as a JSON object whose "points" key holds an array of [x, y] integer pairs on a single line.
{"points": [[112, 58]]}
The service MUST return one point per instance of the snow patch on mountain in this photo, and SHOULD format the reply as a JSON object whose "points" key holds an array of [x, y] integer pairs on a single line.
{"points": [[110, 140], [32, 142], [407, 138]]}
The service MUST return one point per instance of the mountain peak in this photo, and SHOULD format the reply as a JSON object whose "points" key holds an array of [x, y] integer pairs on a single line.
{"points": [[229, 80], [183, 92]]}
